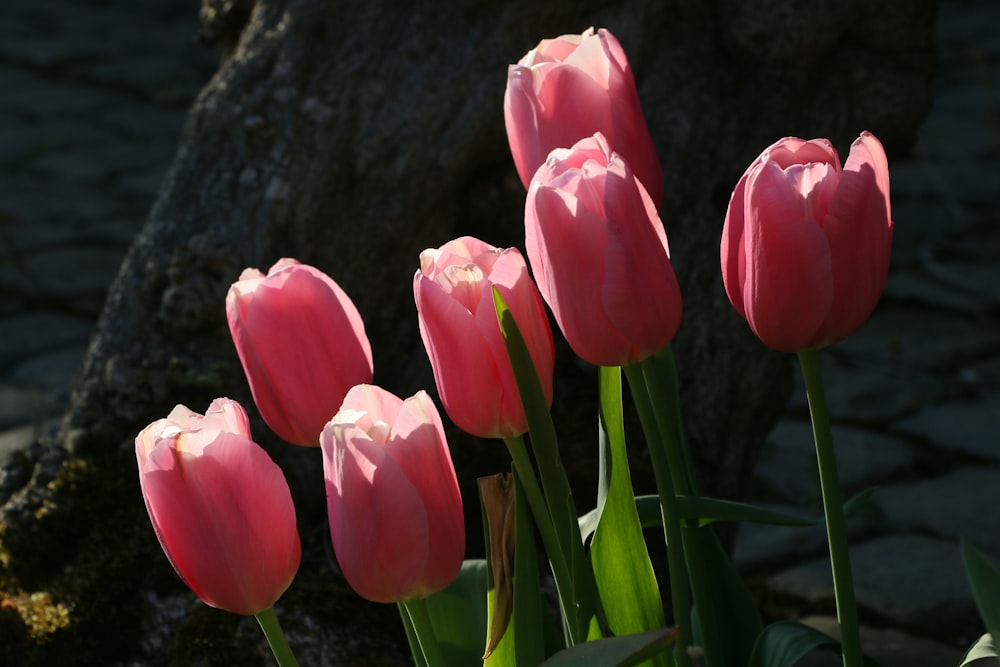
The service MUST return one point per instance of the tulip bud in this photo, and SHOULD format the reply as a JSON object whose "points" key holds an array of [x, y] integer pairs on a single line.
{"points": [[805, 247], [220, 507], [599, 253], [302, 345], [453, 291], [392, 496], [568, 88]]}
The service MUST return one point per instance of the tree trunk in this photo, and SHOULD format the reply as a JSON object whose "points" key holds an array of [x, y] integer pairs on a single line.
{"points": [[352, 135]]}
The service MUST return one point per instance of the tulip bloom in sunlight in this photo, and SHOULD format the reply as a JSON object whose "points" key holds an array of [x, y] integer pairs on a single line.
{"points": [[394, 507], [599, 253], [805, 247], [220, 507], [568, 88], [302, 345], [453, 291]]}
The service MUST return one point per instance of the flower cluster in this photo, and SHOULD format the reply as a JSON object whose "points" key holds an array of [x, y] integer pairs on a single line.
{"points": [[804, 256]]}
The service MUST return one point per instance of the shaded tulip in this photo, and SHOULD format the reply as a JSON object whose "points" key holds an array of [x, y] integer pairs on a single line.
{"points": [[302, 345], [220, 507], [806, 245], [453, 291], [568, 88], [599, 253], [392, 496]]}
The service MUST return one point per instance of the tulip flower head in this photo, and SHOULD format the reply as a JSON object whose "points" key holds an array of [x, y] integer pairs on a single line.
{"points": [[392, 496], [453, 291], [302, 345], [599, 253], [568, 88], [220, 507], [806, 245]]}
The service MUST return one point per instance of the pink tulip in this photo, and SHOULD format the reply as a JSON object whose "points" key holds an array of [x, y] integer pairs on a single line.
{"points": [[458, 323], [220, 507], [599, 253], [302, 345], [805, 248], [568, 88], [392, 497]]}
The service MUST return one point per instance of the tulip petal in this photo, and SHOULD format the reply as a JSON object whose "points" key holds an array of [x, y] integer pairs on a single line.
{"points": [[418, 446], [788, 290], [792, 151], [372, 400], [732, 250], [464, 371], [569, 99], [566, 238], [556, 50], [637, 262], [378, 522], [303, 345], [521, 120], [226, 521], [859, 227], [510, 277], [590, 55]]}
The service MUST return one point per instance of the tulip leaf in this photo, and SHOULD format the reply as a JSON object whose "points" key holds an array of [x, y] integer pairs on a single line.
{"points": [[623, 651], [735, 610], [858, 501], [411, 637], [982, 653], [626, 581], [459, 615], [496, 499], [578, 590], [784, 643], [984, 580], [529, 607], [704, 511]]}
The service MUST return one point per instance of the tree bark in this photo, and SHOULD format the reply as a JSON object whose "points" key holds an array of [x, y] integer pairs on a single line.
{"points": [[352, 135]]}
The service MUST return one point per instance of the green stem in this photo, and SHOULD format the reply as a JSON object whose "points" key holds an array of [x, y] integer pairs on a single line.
{"points": [[660, 376], [411, 637], [554, 546], [679, 593], [583, 613], [276, 638], [833, 508], [420, 621]]}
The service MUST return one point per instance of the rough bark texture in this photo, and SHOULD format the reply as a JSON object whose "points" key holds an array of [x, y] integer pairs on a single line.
{"points": [[352, 135]]}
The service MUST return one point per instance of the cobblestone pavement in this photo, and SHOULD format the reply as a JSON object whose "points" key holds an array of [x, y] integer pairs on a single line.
{"points": [[92, 107]]}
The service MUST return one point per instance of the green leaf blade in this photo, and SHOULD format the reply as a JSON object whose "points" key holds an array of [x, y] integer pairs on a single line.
{"points": [[626, 581], [624, 651], [984, 580]]}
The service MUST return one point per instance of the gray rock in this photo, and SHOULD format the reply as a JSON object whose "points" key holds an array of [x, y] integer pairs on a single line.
{"points": [[787, 466], [79, 274], [28, 334], [44, 100], [954, 134], [970, 428], [912, 581], [763, 547], [963, 504], [890, 647], [866, 388], [913, 287], [55, 370], [21, 404], [89, 166], [16, 439], [157, 129]]}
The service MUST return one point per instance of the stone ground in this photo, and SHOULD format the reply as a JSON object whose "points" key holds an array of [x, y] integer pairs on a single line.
{"points": [[93, 103]]}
